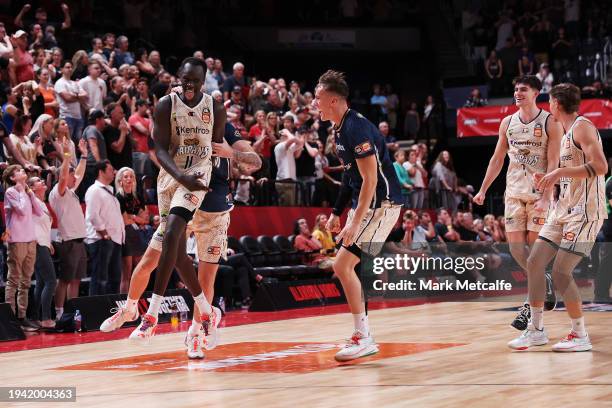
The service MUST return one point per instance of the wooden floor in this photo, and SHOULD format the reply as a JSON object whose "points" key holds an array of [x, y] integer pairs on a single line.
{"points": [[433, 355]]}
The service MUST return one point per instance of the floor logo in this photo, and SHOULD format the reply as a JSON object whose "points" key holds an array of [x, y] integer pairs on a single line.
{"points": [[256, 357]]}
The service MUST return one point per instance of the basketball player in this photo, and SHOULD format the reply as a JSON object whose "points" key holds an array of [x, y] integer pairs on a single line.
{"points": [[531, 138], [183, 128], [571, 227], [210, 224], [370, 180]]}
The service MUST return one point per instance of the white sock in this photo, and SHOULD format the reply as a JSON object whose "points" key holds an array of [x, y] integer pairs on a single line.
{"points": [[537, 317], [202, 303], [154, 306], [131, 305], [361, 323], [59, 311], [194, 328], [578, 326]]}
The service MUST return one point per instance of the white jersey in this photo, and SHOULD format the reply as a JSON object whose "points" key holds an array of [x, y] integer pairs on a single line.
{"points": [[580, 199], [191, 138], [527, 151]]}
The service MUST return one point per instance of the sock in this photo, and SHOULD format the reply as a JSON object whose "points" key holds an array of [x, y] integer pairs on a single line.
{"points": [[131, 305], [59, 311], [156, 301], [195, 327], [361, 323], [202, 303], [578, 326], [537, 317]]}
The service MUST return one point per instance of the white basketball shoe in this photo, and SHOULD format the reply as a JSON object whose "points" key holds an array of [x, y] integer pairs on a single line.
{"points": [[359, 345]]}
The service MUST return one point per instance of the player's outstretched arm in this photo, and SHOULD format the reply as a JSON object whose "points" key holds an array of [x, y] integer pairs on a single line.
{"points": [[496, 163], [219, 123]]}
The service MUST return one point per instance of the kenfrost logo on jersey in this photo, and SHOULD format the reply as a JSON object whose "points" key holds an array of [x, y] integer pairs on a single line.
{"points": [[566, 157], [183, 130], [525, 143]]}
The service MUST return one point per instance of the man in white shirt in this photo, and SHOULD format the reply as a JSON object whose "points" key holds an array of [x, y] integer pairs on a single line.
{"points": [[71, 227], [105, 232], [284, 152], [69, 96], [94, 86]]}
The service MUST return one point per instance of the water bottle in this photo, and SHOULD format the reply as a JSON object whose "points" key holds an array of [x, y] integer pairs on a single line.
{"points": [[174, 317], [77, 320], [222, 304]]}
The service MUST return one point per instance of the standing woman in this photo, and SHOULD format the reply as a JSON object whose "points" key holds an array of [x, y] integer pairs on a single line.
{"points": [[134, 215], [80, 60], [43, 268], [444, 173], [47, 91], [48, 152]]}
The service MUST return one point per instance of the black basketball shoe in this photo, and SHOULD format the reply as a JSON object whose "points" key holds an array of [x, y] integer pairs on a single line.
{"points": [[522, 318], [550, 301]]}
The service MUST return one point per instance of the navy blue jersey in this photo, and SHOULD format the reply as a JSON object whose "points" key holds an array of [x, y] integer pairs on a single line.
{"points": [[220, 198], [356, 138]]}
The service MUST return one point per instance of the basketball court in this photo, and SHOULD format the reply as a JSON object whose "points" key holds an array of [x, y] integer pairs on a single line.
{"points": [[430, 355]]}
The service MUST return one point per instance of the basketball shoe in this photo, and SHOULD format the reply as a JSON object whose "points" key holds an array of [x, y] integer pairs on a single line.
{"points": [[120, 316], [573, 343], [521, 320], [530, 337], [210, 323], [193, 342], [359, 345], [146, 328]]}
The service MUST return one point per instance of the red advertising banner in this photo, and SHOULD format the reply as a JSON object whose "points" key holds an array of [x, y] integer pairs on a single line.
{"points": [[485, 121]]}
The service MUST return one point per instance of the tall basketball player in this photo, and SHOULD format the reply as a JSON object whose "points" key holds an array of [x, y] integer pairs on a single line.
{"points": [[571, 227], [531, 138], [184, 126], [210, 224], [370, 181]]}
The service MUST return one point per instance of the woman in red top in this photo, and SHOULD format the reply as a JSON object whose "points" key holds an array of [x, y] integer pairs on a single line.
{"points": [[268, 137], [47, 92], [305, 242], [259, 126]]}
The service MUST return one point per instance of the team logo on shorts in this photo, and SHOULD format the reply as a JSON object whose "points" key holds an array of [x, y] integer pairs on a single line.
{"points": [[363, 148], [206, 115], [539, 220], [569, 236], [213, 250], [537, 130], [191, 198], [509, 220]]}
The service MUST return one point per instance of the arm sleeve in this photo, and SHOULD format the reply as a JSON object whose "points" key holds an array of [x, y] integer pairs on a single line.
{"points": [[344, 196], [232, 135]]}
